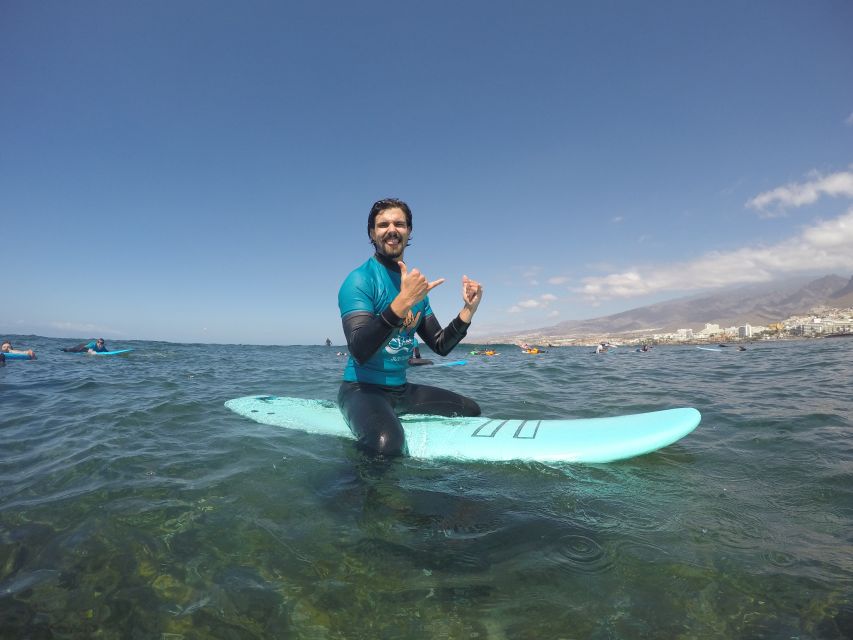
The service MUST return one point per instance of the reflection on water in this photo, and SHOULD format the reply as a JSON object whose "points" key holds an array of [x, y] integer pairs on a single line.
{"points": [[133, 505]]}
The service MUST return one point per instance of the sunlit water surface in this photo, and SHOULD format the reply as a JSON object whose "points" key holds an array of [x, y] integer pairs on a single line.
{"points": [[134, 505]]}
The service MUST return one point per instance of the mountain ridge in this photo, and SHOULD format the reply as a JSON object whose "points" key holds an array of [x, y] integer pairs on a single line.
{"points": [[750, 304]]}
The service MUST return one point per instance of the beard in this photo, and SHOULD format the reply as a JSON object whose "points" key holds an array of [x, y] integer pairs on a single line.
{"points": [[394, 251]]}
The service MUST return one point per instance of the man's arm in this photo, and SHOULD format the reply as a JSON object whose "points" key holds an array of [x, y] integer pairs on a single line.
{"points": [[441, 340], [367, 333]]}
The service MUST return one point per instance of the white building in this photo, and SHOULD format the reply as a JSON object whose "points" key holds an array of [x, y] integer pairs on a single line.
{"points": [[709, 330], [684, 334]]}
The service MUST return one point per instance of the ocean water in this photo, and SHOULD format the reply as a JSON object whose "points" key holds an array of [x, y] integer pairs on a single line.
{"points": [[134, 505]]}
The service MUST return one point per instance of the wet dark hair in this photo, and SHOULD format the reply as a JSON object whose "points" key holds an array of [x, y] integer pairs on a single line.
{"points": [[387, 203]]}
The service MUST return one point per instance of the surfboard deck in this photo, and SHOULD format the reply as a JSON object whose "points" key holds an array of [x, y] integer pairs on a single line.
{"points": [[117, 352], [453, 363], [489, 439], [17, 356]]}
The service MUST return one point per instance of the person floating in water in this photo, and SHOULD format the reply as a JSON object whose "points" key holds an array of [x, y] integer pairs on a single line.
{"points": [[93, 346], [328, 342], [383, 305], [6, 347], [416, 359]]}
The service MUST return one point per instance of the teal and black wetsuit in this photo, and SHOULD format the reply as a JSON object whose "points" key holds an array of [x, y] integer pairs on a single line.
{"points": [[85, 346], [374, 390]]}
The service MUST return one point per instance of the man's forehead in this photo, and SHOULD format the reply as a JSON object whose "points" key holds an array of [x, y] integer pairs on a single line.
{"points": [[395, 213]]}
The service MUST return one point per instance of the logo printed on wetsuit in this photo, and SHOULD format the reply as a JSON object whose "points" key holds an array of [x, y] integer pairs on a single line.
{"points": [[400, 342], [404, 341]]}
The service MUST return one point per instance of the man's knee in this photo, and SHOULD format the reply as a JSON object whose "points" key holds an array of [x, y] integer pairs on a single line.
{"points": [[470, 408], [386, 442]]}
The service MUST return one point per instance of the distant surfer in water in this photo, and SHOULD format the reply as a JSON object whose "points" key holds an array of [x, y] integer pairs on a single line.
{"points": [[416, 359], [6, 347], [383, 305], [95, 346]]}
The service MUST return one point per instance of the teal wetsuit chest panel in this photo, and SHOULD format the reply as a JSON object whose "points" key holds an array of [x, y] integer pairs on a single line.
{"points": [[371, 288], [93, 345]]}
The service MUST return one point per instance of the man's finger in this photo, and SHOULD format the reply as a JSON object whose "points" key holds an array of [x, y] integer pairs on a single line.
{"points": [[434, 284]]}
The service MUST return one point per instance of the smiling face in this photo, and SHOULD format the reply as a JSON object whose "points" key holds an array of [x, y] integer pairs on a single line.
{"points": [[390, 233]]}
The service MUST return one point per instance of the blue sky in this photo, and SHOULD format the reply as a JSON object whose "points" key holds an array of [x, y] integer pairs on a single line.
{"points": [[202, 170]]}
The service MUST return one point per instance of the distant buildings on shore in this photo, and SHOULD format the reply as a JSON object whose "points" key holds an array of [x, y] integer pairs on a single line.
{"points": [[819, 322]]}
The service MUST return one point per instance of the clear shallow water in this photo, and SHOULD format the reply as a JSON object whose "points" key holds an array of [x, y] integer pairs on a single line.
{"points": [[134, 505]]}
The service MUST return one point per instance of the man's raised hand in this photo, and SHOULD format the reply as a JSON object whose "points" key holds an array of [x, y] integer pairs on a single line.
{"points": [[413, 284]]}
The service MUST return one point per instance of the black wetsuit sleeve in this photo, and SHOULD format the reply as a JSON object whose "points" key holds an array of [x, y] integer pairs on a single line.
{"points": [[367, 333], [77, 349], [441, 340]]}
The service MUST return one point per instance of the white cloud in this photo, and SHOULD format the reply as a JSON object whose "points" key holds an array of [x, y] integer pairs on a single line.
{"points": [[527, 274], [617, 219], [797, 195], [556, 280], [541, 302], [849, 120], [827, 245]]}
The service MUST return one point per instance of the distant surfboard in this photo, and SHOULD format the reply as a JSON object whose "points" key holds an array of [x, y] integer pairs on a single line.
{"points": [[453, 363], [103, 353]]}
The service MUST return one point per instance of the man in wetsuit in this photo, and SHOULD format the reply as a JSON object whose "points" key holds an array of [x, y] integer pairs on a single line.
{"points": [[6, 347], [383, 305], [97, 346]]}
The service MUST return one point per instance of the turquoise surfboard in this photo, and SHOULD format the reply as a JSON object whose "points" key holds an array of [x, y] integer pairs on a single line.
{"points": [[17, 356], [118, 352], [489, 439]]}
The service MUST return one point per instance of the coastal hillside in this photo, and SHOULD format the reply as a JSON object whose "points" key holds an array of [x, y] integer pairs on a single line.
{"points": [[752, 304]]}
